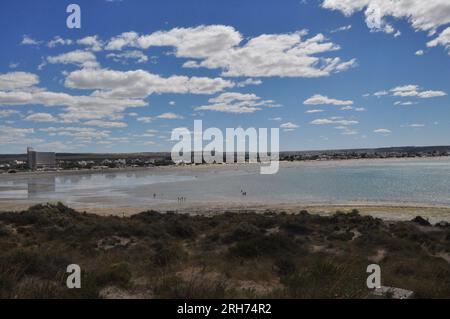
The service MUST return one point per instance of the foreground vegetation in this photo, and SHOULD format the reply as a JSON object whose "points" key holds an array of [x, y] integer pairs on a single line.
{"points": [[231, 255]]}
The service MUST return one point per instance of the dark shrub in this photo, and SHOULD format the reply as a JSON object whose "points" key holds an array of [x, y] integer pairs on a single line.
{"points": [[241, 231], [273, 245], [117, 274], [285, 266], [165, 255]]}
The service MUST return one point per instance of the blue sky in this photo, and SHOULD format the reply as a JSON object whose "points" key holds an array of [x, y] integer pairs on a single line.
{"points": [[331, 74]]}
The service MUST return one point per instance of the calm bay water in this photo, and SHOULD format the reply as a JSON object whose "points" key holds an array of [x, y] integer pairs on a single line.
{"points": [[412, 181]]}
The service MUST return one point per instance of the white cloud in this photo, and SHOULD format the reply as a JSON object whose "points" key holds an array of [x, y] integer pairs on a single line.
{"points": [[170, 116], [76, 107], [120, 41], [222, 47], [416, 125], [383, 131], [422, 15], [414, 91], [404, 103], [40, 117], [78, 133], [13, 135], [27, 40], [145, 119], [343, 28], [92, 42], [53, 146], [140, 83], [419, 52], [443, 39], [324, 100], [59, 41], [247, 82], [333, 121], [106, 124], [312, 111], [381, 93], [289, 126], [126, 56], [81, 58], [234, 102], [17, 80]]}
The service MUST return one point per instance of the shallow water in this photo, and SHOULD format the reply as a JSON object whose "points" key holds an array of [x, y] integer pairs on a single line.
{"points": [[415, 181]]}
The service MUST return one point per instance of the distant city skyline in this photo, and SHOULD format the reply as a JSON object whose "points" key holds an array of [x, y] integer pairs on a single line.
{"points": [[332, 74]]}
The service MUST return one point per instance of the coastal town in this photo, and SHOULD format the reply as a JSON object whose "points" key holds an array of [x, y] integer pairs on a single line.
{"points": [[51, 161]]}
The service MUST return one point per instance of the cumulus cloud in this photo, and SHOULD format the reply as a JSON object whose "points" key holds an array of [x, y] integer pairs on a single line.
{"points": [[40, 117], [333, 121], [289, 126], [77, 107], [415, 91], [106, 124], [125, 57], [81, 58], [422, 15], [140, 83], [170, 116], [383, 131], [381, 93], [223, 47], [59, 41], [324, 100], [17, 80], [443, 39], [14, 135], [234, 102], [27, 40], [248, 82], [92, 42], [144, 119], [312, 111], [85, 134]]}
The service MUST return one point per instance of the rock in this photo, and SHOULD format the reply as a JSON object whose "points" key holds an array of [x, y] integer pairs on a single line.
{"points": [[421, 221]]}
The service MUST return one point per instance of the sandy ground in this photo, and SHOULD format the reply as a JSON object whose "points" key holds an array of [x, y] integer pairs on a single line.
{"points": [[386, 211]]}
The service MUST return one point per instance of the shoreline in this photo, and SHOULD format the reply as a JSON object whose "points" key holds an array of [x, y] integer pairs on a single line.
{"points": [[385, 211], [202, 167]]}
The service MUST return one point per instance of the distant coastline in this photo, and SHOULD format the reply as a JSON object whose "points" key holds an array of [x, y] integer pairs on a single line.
{"points": [[283, 163]]}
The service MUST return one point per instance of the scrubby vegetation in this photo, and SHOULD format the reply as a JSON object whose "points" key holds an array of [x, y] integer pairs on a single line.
{"points": [[231, 255]]}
